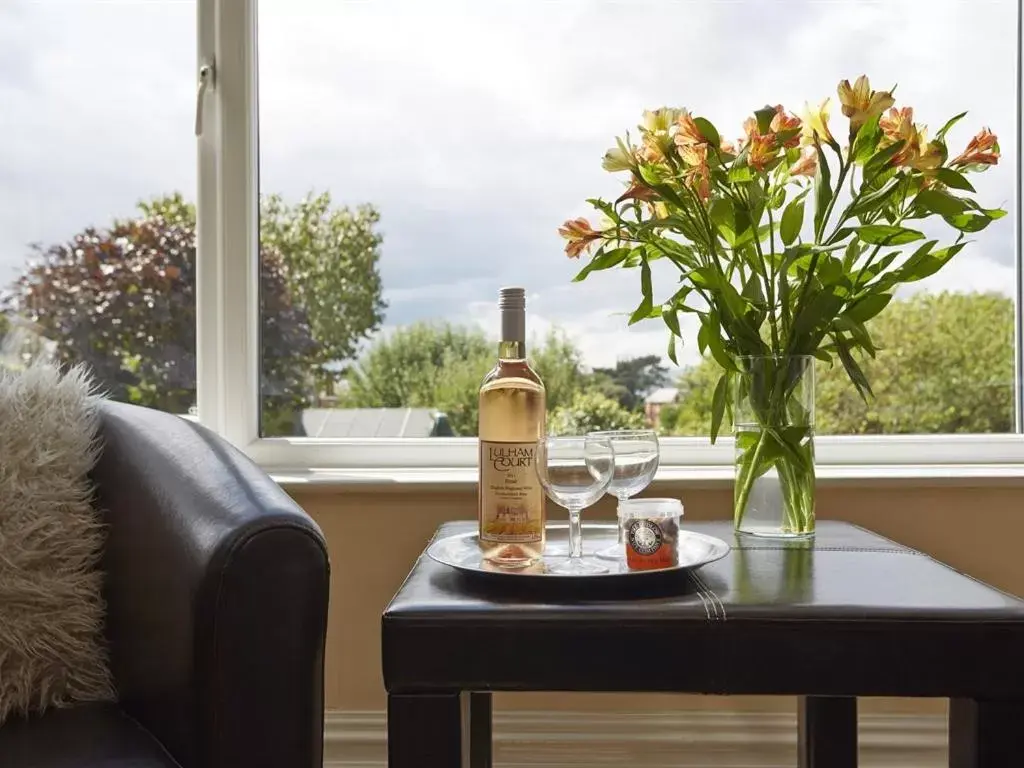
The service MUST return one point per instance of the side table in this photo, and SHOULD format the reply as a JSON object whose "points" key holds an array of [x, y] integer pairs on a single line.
{"points": [[851, 614]]}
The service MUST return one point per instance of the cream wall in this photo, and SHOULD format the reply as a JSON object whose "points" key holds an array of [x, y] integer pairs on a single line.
{"points": [[978, 530]]}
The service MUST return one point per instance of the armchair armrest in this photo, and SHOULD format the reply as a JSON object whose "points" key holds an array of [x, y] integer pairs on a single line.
{"points": [[216, 590]]}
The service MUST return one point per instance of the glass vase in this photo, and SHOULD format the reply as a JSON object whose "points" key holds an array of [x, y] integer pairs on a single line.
{"points": [[773, 423]]}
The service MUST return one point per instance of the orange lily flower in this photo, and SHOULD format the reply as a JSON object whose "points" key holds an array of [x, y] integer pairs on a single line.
{"points": [[728, 147], [910, 151], [637, 191], [651, 151], [930, 154], [580, 235], [783, 122], [618, 159], [698, 174], [860, 103], [897, 125], [815, 124], [763, 150], [750, 128], [660, 119], [983, 149], [688, 132], [807, 165]]}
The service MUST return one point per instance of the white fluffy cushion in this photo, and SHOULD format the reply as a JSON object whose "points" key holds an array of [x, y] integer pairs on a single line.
{"points": [[51, 609]]}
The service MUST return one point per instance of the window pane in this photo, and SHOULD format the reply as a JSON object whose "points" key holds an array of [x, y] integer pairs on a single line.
{"points": [[97, 229], [417, 156]]}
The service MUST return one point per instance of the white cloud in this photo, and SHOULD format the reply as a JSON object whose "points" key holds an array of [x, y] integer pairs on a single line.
{"points": [[475, 127]]}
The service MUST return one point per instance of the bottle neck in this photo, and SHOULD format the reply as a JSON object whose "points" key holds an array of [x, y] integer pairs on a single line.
{"points": [[511, 350], [513, 334]]}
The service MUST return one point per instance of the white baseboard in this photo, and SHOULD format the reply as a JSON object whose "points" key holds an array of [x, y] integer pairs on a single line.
{"points": [[687, 739]]}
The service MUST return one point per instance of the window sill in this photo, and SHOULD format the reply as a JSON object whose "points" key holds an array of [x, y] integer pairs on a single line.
{"points": [[668, 478]]}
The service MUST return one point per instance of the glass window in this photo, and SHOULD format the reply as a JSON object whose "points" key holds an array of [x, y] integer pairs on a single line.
{"points": [[97, 227], [416, 156]]}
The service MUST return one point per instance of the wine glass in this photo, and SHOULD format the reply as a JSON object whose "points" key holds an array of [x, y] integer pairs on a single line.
{"points": [[575, 471], [636, 461]]}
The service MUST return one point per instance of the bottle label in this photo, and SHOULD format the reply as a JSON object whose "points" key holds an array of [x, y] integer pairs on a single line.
{"points": [[511, 496]]}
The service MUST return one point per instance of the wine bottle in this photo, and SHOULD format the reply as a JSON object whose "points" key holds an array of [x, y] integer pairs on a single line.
{"points": [[512, 420]]}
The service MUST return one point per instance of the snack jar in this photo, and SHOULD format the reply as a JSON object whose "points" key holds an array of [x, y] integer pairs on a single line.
{"points": [[650, 529]]}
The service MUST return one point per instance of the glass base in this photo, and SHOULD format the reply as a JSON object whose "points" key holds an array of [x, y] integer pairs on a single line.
{"points": [[577, 566], [772, 532], [614, 552]]}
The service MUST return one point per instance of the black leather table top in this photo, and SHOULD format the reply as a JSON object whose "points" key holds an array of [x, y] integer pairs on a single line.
{"points": [[851, 614]]}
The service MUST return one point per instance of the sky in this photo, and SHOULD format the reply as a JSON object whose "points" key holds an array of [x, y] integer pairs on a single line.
{"points": [[475, 128]]}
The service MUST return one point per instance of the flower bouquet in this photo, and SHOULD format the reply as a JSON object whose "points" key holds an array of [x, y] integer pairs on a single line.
{"points": [[786, 243]]}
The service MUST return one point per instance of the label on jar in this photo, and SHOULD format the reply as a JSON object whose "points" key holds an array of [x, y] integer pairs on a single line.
{"points": [[648, 547], [511, 496]]}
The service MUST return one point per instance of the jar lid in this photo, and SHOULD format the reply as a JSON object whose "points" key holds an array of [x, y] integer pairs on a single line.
{"points": [[650, 508]]}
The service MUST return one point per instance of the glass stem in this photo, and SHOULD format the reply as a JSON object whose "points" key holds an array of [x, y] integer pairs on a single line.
{"points": [[618, 517], [575, 534]]}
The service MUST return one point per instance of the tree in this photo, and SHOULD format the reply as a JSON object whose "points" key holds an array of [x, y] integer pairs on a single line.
{"points": [[122, 301], [945, 364], [590, 412], [560, 365], [441, 366], [424, 365], [637, 377], [331, 258]]}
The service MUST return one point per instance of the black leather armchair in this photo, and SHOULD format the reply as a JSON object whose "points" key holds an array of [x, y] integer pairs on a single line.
{"points": [[216, 589]]}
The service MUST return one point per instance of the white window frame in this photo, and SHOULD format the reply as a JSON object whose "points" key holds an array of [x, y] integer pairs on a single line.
{"points": [[228, 305]]}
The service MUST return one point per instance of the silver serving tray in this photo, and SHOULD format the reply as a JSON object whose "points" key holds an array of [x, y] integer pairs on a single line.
{"points": [[462, 552]]}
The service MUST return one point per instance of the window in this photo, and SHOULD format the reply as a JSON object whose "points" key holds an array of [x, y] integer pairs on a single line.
{"points": [[97, 226], [412, 158]]}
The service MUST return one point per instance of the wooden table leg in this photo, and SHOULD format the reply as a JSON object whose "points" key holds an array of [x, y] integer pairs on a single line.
{"points": [[479, 730], [828, 732], [985, 734], [424, 729]]}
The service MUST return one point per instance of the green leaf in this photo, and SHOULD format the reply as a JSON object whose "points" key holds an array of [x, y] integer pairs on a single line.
{"points": [[867, 307], [918, 267], [853, 252], [858, 332], [884, 234], [867, 140], [752, 291], [671, 318], [877, 199], [841, 234], [969, 222], [718, 401], [815, 313], [953, 179], [708, 131], [714, 342], [824, 356], [939, 202], [933, 263], [603, 260], [949, 124], [822, 189], [830, 271], [764, 117], [853, 370], [643, 311], [880, 160], [702, 339], [792, 221], [740, 173], [672, 348]]}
